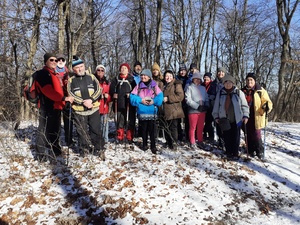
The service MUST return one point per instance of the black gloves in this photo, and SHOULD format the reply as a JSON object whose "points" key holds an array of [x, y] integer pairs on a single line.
{"points": [[202, 108]]}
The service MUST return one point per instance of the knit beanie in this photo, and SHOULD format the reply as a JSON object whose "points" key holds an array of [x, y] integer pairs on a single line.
{"points": [[147, 72], [193, 66], [221, 69], [125, 64], [228, 78], [137, 63], [208, 74], [101, 66], [76, 61], [155, 67], [169, 71], [252, 75], [48, 55], [182, 66], [196, 75]]}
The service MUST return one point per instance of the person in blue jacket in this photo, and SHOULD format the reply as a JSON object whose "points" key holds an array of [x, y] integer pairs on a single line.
{"points": [[147, 97]]}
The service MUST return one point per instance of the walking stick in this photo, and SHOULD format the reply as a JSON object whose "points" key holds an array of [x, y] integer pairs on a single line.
{"points": [[69, 131], [116, 121], [126, 122], [266, 118], [246, 142]]}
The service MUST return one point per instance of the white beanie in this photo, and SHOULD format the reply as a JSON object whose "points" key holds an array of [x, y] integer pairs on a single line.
{"points": [[101, 66]]}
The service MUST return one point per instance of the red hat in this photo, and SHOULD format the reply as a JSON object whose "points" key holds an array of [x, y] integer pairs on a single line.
{"points": [[125, 64]]}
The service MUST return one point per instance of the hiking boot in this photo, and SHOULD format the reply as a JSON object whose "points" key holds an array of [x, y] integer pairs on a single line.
{"points": [[193, 146], [102, 155], [201, 145], [154, 150]]}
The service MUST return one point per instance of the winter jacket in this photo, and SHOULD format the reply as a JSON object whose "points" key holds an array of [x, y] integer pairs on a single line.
{"points": [[51, 95], [83, 88], [195, 95], [122, 87], [172, 109], [146, 112], [136, 77], [216, 86], [104, 102], [239, 103], [258, 99], [211, 88]]}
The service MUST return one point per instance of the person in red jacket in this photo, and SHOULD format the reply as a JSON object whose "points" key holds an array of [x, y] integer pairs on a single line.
{"points": [[104, 100], [51, 102]]}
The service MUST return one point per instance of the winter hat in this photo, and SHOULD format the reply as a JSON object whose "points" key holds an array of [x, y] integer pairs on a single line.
{"points": [[147, 72], [60, 56], [169, 71], [197, 75], [208, 74], [182, 66], [221, 69], [155, 67], [137, 63], [193, 66], [101, 66], [228, 78], [48, 55], [76, 61], [252, 75], [125, 64]]}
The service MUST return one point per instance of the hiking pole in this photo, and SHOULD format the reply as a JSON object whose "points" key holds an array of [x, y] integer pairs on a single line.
{"points": [[246, 141], [116, 121], [69, 131], [126, 122], [266, 118]]}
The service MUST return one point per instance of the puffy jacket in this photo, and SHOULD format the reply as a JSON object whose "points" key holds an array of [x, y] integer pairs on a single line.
{"points": [[195, 95], [172, 109]]}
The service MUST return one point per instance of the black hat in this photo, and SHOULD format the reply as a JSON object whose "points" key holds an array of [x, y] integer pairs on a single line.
{"points": [[252, 75], [208, 74], [182, 66], [48, 55], [193, 66], [137, 63]]}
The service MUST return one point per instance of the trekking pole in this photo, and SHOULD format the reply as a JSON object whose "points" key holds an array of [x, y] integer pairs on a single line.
{"points": [[126, 121], [69, 131], [246, 141], [266, 118], [116, 121]]}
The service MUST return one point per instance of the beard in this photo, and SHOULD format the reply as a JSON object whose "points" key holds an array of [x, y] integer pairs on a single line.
{"points": [[61, 64]]}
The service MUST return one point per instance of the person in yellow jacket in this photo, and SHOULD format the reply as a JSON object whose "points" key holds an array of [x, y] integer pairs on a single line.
{"points": [[259, 104]]}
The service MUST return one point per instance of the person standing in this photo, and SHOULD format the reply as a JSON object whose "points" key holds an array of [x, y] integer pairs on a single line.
{"points": [[208, 130], [62, 72], [217, 85], [172, 109], [86, 91], [197, 100], [230, 112], [51, 102], [157, 75], [104, 100], [147, 97], [120, 89], [259, 103]]}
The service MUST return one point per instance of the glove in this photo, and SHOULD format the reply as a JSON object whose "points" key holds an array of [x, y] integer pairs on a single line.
{"points": [[265, 107], [202, 108]]}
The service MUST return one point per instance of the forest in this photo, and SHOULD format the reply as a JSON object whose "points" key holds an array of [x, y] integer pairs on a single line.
{"points": [[242, 36]]}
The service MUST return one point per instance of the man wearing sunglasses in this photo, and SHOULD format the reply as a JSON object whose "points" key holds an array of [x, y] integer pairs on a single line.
{"points": [[51, 102], [63, 75]]}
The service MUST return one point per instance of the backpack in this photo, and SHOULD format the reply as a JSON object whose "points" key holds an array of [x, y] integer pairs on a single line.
{"points": [[30, 91]]}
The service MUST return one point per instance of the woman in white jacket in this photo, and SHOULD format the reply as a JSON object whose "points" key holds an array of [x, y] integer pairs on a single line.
{"points": [[230, 111], [197, 100]]}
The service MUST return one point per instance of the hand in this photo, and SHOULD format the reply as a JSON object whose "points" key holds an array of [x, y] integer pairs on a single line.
{"points": [[88, 103], [127, 95], [165, 99], [69, 99], [265, 107], [245, 120], [105, 95], [202, 108], [115, 96]]}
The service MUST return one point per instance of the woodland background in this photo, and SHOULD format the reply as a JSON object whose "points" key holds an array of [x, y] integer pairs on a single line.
{"points": [[243, 36]]}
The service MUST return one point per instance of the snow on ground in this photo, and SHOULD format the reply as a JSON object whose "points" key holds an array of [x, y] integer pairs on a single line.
{"points": [[136, 187]]}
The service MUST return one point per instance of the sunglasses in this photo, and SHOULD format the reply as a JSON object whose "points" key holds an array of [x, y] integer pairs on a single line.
{"points": [[53, 60], [101, 70], [61, 59]]}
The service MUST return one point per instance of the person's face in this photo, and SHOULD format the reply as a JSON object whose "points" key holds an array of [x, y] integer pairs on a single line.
{"points": [[196, 81], [61, 62], [169, 77], [206, 79], [155, 73], [138, 69], [79, 69], [51, 63], [100, 72], [182, 73], [144, 78], [250, 82], [228, 84], [220, 74], [124, 70]]}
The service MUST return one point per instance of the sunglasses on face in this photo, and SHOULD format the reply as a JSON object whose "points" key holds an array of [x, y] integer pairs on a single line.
{"points": [[61, 59], [100, 70], [53, 60]]}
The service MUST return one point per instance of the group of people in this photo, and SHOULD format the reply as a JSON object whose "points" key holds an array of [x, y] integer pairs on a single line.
{"points": [[184, 107]]}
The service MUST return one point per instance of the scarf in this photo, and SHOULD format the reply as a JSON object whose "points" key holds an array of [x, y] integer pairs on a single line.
{"points": [[228, 98]]}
